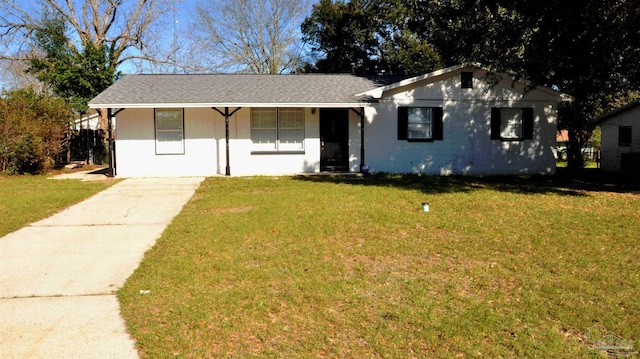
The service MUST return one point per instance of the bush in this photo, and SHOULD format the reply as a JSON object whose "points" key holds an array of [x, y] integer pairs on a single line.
{"points": [[33, 129]]}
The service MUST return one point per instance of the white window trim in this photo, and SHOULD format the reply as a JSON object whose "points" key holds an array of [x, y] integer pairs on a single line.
{"points": [[168, 147], [279, 146]]}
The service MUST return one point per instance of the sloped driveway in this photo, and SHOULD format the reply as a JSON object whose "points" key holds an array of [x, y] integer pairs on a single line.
{"points": [[58, 276]]}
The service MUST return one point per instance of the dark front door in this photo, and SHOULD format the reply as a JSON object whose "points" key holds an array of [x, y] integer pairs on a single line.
{"points": [[334, 139]]}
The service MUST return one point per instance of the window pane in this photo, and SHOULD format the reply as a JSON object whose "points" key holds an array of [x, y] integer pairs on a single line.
{"points": [[419, 123], [290, 129], [466, 79], [291, 118], [169, 136], [263, 123], [169, 119], [624, 136], [263, 136], [291, 140], [263, 118], [169, 131], [511, 123]]}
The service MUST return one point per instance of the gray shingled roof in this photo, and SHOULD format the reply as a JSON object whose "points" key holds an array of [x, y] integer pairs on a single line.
{"points": [[237, 89], [612, 113]]}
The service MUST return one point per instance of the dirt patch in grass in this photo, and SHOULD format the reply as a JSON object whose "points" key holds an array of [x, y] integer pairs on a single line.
{"points": [[240, 209]]}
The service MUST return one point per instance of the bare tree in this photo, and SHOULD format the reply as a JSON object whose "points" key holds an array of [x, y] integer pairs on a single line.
{"points": [[132, 31], [14, 75], [129, 31], [254, 36]]}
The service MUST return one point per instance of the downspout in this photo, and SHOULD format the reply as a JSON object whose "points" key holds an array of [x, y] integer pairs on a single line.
{"points": [[361, 114], [226, 114]]}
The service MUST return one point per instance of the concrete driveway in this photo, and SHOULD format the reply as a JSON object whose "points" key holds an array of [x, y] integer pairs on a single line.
{"points": [[58, 276]]}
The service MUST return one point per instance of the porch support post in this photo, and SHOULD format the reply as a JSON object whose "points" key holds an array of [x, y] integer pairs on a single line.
{"points": [[226, 114], [111, 170], [361, 114], [113, 164]]}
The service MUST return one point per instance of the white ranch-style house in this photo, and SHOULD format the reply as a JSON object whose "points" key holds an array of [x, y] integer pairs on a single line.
{"points": [[620, 142], [459, 120]]}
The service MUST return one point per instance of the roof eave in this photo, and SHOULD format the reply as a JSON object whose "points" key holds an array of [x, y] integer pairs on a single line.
{"points": [[617, 111], [379, 91], [231, 104]]}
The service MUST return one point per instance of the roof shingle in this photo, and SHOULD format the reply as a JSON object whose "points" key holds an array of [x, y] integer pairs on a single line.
{"points": [[229, 89]]}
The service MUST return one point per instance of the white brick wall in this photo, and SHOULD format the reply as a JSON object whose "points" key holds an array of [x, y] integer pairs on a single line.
{"points": [[467, 147]]}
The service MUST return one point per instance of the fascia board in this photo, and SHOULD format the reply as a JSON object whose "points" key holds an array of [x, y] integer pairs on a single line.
{"points": [[207, 105], [377, 92]]}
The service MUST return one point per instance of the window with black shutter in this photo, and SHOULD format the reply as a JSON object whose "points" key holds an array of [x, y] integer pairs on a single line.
{"points": [[420, 124], [511, 124]]}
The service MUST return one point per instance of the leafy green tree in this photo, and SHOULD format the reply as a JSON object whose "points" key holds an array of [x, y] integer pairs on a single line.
{"points": [[96, 36], [33, 129], [366, 37], [76, 75], [587, 49]]}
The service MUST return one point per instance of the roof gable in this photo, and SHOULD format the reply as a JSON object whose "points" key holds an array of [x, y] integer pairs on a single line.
{"points": [[618, 111], [440, 76]]}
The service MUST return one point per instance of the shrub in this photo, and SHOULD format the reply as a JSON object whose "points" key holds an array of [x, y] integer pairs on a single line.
{"points": [[33, 129]]}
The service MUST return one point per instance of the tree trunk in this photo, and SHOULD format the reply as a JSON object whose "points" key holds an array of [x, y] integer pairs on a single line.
{"points": [[577, 140]]}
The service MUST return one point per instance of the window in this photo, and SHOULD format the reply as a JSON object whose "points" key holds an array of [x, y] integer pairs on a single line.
{"points": [[417, 124], [624, 136], [511, 124], [466, 80], [169, 131], [277, 129]]}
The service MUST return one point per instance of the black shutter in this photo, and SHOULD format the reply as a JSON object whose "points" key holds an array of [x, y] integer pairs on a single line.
{"points": [[437, 123], [495, 123], [403, 122], [527, 123]]}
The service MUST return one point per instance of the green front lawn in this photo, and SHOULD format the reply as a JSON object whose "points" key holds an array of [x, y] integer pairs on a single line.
{"points": [[26, 199], [354, 268]]}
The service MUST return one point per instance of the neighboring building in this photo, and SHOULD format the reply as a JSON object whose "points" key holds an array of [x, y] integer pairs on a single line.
{"points": [[88, 122], [562, 138], [589, 152], [459, 120], [620, 144]]}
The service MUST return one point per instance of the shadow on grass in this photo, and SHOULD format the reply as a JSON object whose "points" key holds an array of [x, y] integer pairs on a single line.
{"points": [[562, 183]]}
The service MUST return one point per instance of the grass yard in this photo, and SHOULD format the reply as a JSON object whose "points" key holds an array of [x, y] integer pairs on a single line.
{"points": [[588, 164], [354, 268], [26, 199]]}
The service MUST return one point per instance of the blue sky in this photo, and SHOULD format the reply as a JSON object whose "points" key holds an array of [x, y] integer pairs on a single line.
{"points": [[181, 13]]}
